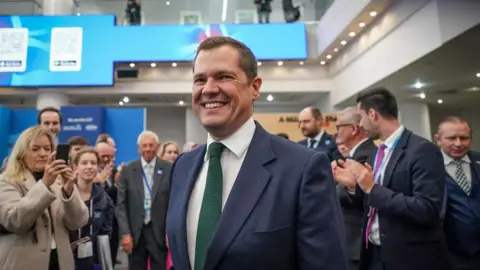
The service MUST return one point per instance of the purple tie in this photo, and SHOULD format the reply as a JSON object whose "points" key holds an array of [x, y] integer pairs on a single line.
{"points": [[372, 211]]}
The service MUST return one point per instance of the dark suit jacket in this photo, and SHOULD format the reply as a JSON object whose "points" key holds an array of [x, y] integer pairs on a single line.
{"points": [[326, 145], [353, 212], [408, 204], [282, 212], [131, 193]]}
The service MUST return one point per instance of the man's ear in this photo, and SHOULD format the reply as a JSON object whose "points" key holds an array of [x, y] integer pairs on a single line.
{"points": [[436, 138]]}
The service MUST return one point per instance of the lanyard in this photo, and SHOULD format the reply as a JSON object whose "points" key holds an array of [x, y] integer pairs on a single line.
{"points": [[145, 180], [91, 221], [385, 159]]}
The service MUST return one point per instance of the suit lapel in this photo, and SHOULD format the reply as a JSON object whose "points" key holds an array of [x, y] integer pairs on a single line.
{"points": [[138, 176], [196, 158], [395, 157], [325, 141], [475, 167], [157, 178], [248, 188]]}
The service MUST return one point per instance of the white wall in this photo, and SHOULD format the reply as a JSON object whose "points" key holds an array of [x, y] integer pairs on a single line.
{"points": [[168, 123]]}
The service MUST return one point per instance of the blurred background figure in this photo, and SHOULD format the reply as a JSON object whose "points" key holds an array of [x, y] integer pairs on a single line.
{"points": [[169, 151], [189, 146], [283, 135], [264, 9], [133, 12]]}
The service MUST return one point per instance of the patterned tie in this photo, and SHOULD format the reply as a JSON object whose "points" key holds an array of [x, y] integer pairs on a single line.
{"points": [[211, 204], [461, 177], [312, 143], [372, 211]]}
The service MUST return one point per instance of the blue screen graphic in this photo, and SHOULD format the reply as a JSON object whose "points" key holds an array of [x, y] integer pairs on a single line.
{"points": [[82, 50]]}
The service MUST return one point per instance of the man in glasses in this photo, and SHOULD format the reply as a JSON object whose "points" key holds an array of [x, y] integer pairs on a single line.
{"points": [[353, 137]]}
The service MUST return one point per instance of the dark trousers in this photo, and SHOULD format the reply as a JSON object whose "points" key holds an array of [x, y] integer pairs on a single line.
{"points": [[114, 241], [146, 248], [263, 17]]}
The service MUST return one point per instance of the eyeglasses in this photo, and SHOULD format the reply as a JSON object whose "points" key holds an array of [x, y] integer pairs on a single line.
{"points": [[343, 125]]}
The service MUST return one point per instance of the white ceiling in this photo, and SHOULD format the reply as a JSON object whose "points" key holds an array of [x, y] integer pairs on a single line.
{"points": [[448, 73]]}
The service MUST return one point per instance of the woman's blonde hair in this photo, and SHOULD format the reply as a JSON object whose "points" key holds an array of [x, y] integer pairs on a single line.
{"points": [[17, 170], [163, 148]]}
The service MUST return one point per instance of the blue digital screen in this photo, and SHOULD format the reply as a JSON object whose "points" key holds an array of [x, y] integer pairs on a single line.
{"points": [[49, 51]]}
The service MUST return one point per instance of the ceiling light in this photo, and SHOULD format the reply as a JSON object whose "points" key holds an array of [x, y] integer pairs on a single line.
{"points": [[478, 75], [475, 88], [344, 42], [167, 3], [120, 103], [224, 10], [418, 85], [352, 34], [78, 14], [422, 95], [362, 24], [153, 65], [280, 63], [132, 65], [259, 63], [329, 56], [269, 98], [373, 13], [335, 50], [440, 101], [174, 64], [301, 63], [322, 63], [181, 102], [126, 99]]}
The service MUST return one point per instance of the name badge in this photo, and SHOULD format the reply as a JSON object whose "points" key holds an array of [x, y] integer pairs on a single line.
{"points": [[147, 204], [85, 250]]}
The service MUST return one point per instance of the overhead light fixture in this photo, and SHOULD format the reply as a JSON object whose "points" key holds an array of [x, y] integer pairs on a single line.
{"points": [[181, 102], [126, 99], [224, 10], [422, 96], [322, 63], [418, 85], [120, 103], [174, 64], [269, 98], [478, 75], [153, 65], [280, 63], [352, 34], [167, 3], [373, 13], [362, 24], [335, 50], [329, 56], [344, 42], [259, 63], [132, 65], [301, 63], [78, 14], [440, 101]]}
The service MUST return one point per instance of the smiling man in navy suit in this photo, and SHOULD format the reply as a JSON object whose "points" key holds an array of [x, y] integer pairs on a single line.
{"points": [[248, 199]]}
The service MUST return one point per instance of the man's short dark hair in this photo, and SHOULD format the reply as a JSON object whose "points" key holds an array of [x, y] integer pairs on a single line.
{"points": [[77, 140], [248, 62], [316, 113], [454, 120], [48, 109], [380, 100], [103, 138]]}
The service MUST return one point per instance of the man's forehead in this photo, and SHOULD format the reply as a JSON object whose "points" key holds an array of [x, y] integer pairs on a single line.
{"points": [[50, 116]]}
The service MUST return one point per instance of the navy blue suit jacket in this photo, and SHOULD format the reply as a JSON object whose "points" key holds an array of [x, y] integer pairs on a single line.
{"points": [[282, 212], [408, 204]]}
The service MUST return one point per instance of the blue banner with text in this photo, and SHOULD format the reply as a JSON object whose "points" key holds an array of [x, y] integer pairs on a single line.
{"points": [[49, 51], [85, 121]]}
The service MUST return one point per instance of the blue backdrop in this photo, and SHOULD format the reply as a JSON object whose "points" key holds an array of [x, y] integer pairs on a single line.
{"points": [[124, 125], [85, 121], [41, 51]]}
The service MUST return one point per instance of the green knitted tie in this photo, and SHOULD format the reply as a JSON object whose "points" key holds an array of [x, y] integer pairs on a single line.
{"points": [[211, 204]]}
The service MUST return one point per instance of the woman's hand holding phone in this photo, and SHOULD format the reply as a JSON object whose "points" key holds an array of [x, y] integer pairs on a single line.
{"points": [[53, 169]]}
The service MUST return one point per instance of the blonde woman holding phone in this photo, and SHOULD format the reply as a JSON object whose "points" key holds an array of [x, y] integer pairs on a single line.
{"points": [[39, 205]]}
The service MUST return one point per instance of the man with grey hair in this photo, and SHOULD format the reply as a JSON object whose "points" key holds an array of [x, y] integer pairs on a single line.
{"points": [[142, 201], [350, 134]]}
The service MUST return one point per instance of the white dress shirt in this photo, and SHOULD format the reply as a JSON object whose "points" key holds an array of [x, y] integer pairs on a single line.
{"points": [[148, 168], [374, 235], [451, 167], [352, 151], [232, 159]]}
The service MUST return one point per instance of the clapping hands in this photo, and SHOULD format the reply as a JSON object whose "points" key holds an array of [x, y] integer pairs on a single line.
{"points": [[351, 172]]}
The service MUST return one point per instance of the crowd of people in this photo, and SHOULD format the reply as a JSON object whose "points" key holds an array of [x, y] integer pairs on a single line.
{"points": [[375, 196]]}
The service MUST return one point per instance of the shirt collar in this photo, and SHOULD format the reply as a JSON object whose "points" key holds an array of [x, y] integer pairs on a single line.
{"points": [[145, 163], [393, 137], [356, 147], [448, 159], [239, 141], [317, 138]]}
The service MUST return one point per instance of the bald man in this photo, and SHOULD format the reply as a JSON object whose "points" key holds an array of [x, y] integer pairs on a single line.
{"points": [[310, 122]]}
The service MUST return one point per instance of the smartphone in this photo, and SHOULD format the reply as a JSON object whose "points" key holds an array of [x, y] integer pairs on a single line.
{"points": [[62, 152]]}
